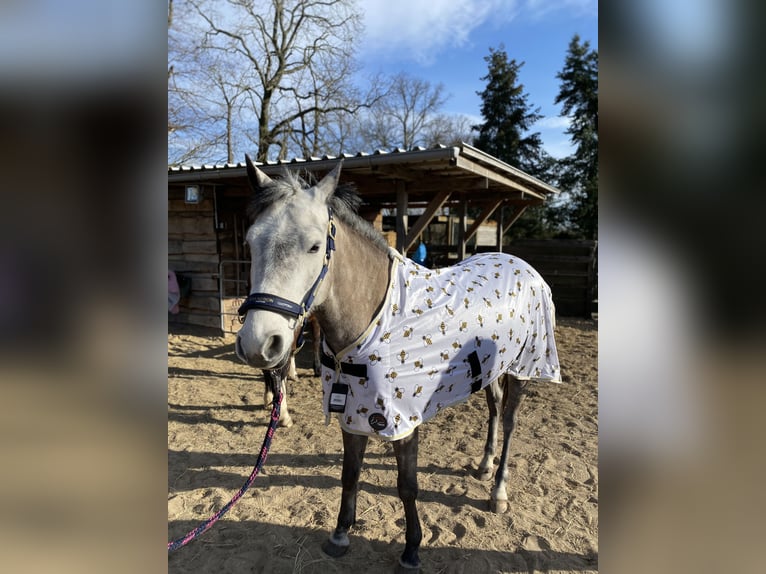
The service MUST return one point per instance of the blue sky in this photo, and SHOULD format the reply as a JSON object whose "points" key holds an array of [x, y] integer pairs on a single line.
{"points": [[445, 41]]}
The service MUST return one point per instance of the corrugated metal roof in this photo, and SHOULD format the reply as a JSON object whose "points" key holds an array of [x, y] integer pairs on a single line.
{"points": [[313, 159], [463, 168]]}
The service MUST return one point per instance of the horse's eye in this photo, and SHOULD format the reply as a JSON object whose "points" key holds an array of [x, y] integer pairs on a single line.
{"points": [[314, 248]]}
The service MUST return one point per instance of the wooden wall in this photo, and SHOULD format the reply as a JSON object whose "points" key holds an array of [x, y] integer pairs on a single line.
{"points": [[193, 252], [568, 266]]}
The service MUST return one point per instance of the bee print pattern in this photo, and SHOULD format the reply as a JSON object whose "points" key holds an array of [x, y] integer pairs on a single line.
{"points": [[508, 303]]}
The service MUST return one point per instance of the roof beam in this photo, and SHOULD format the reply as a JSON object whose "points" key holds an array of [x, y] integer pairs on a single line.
{"points": [[515, 214], [469, 165], [425, 218], [488, 210]]}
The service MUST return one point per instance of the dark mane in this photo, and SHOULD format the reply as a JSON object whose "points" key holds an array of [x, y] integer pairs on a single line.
{"points": [[277, 190], [344, 201]]}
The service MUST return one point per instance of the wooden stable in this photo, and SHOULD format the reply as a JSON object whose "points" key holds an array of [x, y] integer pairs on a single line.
{"points": [[206, 239]]}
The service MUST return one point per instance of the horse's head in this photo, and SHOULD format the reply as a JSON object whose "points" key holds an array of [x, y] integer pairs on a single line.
{"points": [[289, 241]]}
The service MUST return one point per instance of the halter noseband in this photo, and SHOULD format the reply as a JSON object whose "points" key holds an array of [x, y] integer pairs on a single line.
{"points": [[284, 306]]}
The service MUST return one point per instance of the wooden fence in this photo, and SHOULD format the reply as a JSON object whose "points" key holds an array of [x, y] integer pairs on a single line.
{"points": [[570, 267]]}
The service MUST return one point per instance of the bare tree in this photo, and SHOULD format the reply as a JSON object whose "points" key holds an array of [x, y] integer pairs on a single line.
{"points": [[194, 132], [448, 130], [292, 61], [402, 118]]}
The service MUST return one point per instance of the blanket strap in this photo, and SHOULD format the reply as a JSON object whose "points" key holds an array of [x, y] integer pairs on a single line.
{"points": [[475, 364]]}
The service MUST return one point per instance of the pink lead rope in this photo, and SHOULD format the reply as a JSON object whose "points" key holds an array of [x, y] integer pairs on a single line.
{"points": [[203, 527]]}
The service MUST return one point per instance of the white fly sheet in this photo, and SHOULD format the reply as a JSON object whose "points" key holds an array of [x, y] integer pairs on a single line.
{"points": [[440, 336]]}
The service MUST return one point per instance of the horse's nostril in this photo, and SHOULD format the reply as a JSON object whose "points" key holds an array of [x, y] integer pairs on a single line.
{"points": [[274, 347]]}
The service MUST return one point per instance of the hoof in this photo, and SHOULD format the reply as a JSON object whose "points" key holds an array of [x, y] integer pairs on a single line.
{"points": [[334, 550], [498, 506], [403, 568], [286, 422], [483, 474]]}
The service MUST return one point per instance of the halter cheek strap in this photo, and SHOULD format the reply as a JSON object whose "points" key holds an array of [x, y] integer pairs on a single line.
{"points": [[284, 306]]}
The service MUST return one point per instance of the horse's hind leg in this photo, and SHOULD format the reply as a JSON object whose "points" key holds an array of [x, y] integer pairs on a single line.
{"points": [[494, 393], [406, 451], [353, 455], [514, 390]]}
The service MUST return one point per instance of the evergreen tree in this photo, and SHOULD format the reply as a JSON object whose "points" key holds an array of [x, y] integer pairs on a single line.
{"points": [[508, 116], [505, 134], [579, 172]]}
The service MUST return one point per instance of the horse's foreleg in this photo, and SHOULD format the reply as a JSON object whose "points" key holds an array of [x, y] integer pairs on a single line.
{"points": [[272, 378], [285, 420], [353, 455], [406, 451], [494, 394], [515, 392]]}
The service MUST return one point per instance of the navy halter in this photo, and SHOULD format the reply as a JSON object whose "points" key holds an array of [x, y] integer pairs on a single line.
{"points": [[284, 306]]}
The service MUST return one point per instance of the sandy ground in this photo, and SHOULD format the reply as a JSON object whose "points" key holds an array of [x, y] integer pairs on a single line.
{"points": [[217, 421]]}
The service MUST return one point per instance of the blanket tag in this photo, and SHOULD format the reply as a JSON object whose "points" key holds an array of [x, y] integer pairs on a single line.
{"points": [[338, 398]]}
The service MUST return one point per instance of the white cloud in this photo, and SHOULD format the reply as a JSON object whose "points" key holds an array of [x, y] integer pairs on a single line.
{"points": [[420, 29], [539, 8], [553, 123]]}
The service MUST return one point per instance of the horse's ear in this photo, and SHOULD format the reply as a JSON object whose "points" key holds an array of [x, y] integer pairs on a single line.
{"points": [[257, 178], [325, 188]]}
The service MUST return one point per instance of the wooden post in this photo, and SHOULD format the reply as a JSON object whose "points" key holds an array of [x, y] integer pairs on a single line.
{"points": [[500, 214], [461, 230], [402, 222]]}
